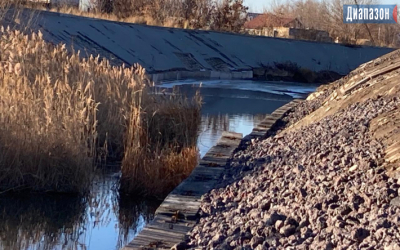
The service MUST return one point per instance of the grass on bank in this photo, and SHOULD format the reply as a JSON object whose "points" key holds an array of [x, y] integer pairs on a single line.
{"points": [[170, 22], [166, 128], [47, 124], [60, 115]]}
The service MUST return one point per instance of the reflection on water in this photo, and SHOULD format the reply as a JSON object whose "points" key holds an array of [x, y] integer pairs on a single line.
{"points": [[40, 222], [236, 106], [213, 126], [105, 221], [112, 220]]}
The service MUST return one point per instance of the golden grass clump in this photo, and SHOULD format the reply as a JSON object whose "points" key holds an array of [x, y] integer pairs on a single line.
{"points": [[161, 144], [61, 115], [57, 112], [47, 125]]}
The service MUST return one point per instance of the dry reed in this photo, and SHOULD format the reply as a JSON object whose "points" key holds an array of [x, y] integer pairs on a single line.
{"points": [[166, 130], [147, 19], [51, 124], [60, 115], [46, 124]]}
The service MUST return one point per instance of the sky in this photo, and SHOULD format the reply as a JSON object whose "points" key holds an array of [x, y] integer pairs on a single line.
{"points": [[257, 5]]}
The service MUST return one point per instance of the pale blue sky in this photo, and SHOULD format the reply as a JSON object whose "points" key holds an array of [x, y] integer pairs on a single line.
{"points": [[257, 5]]}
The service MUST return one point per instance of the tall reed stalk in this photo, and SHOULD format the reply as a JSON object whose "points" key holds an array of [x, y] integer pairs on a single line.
{"points": [[160, 144], [58, 112], [47, 125], [61, 114]]}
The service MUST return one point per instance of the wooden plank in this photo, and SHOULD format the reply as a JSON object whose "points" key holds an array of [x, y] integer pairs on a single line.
{"points": [[392, 148], [393, 158], [151, 238], [269, 121], [347, 89], [393, 153], [218, 155], [177, 215]]}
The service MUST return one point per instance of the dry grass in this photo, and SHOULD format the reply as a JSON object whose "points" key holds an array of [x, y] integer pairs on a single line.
{"points": [[57, 113], [61, 115], [166, 130], [47, 125], [227, 15], [139, 19]]}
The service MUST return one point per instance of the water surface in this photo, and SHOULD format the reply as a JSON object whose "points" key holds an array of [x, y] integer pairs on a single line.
{"points": [[237, 105], [46, 221], [105, 221]]}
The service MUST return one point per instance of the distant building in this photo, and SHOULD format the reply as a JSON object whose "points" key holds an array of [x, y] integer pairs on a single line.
{"points": [[251, 16], [285, 27], [268, 20]]}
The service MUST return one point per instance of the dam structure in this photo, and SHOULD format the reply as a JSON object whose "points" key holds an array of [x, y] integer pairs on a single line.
{"points": [[175, 54]]}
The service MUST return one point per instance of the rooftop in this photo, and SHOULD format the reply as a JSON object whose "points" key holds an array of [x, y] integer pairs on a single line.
{"points": [[268, 20]]}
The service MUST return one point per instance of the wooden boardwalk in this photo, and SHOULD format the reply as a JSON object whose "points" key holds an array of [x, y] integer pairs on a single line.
{"points": [[262, 129], [178, 214]]}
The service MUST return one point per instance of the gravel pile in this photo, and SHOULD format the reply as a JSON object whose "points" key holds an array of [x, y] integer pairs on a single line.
{"points": [[321, 187], [306, 108]]}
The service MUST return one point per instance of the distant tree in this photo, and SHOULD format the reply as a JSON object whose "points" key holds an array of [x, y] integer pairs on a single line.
{"points": [[328, 15], [127, 8], [198, 13], [104, 6], [229, 16]]}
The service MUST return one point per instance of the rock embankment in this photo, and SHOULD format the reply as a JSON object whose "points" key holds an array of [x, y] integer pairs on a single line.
{"points": [[314, 185]]}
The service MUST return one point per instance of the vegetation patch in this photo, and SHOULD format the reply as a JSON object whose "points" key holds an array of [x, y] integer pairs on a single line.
{"points": [[166, 130], [61, 116]]}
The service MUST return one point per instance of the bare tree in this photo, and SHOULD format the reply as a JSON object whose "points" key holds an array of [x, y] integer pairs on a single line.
{"points": [[229, 16], [328, 15]]}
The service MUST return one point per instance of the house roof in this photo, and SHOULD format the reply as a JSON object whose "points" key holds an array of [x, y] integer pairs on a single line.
{"points": [[252, 15], [268, 20]]}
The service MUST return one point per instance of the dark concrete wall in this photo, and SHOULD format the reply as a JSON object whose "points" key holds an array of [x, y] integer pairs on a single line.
{"points": [[203, 53]]}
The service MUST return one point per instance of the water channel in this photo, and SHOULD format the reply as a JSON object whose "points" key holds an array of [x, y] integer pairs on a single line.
{"points": [[105, 221]]}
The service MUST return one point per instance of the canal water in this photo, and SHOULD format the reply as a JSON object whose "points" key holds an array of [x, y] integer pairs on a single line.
{"points": [[238, 106], [105, 221]]}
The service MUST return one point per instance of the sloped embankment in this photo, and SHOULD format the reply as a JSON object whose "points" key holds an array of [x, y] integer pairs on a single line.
{"points": [[326, 181], [171, 54]]}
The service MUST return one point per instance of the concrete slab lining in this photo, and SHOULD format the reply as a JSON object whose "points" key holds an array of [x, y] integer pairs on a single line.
{"points": [[169, 53]]}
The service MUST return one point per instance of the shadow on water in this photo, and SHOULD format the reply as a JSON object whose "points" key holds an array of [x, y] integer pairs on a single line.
{"points": [[101, 221], [41, 221], [131, 214]]}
